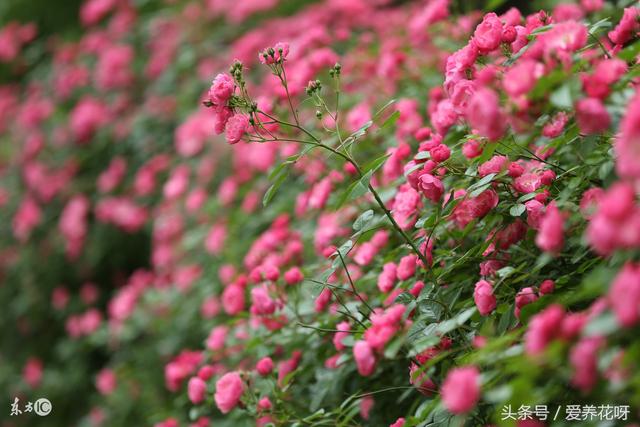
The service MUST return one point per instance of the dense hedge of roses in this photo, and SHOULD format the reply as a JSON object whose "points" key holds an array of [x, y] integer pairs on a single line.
{"points": [[419, 215]]}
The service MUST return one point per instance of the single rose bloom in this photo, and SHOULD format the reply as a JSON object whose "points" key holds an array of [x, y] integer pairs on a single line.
{"points": [[484, 298], [229, 389], [461, 389]]}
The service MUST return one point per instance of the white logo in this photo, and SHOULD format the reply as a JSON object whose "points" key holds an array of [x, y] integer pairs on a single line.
{"points": [[42, 407]]}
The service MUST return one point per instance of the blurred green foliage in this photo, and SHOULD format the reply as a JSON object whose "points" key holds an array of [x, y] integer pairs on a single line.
{"points": [[51, 16]]}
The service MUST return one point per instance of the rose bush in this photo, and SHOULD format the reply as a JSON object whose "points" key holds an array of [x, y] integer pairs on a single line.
{"points": [[422, 214]]}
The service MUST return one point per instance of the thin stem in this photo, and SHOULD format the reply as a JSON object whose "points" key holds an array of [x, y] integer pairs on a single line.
{"points": [[385, 390], [283, 79], [326, 329], [335, 118], [604, 49], [399, 229], [353, 286]]}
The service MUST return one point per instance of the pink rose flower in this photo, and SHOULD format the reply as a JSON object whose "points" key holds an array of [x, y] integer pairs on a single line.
{"points": [[407, 267], [592, 116], [264, 366], [627, 26], [431, 187], [264, 404], [440, 153], [543, 328], [522, 77], [550, 236], [624, 295], [196, 390], [488, 33], [547, 287], [229, 389], [484, 114], [233, 299], [106, 381], [484, 298], [358, 116], [524, 297], [461, 389], [627, 143], [584, 359], [221, 89], [293, 276], [365, 360], [388, 277], [472, 149], [236, 128]]}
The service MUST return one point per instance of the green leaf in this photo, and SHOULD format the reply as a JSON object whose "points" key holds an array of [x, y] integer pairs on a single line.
{"points": [[492, 5], [601, 24], [518, 54], [630, 52], [423, 343], [342, 251], [485, 180], [384, 107], [391, 120], [404, 298], [534, 308], [354, 190], [481, 186], [526, 197], [566, 95], [361, 187], [362, 131], [363, 220], [281, 172], [478, 191], [392, 349], [487, 152], [506, 321], [604, 324], [375, 164], [561, 97], [541, 30], [505, 272], [427, 221], [454, 323], [517, 210]]}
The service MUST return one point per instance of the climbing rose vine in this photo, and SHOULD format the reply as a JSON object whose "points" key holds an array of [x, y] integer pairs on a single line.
{"points": [[332, 213]]}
